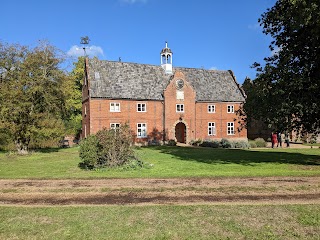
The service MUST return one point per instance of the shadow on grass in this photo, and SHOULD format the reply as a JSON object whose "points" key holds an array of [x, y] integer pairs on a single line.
{"points": [[239, 156]]}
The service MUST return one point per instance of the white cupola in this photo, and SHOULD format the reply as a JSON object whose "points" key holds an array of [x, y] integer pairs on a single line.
{"points": [[166, 59]]}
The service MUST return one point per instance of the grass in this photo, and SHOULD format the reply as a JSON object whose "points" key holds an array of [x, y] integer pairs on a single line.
{"points": [[164, 222], [168, 162], [161, 222]]}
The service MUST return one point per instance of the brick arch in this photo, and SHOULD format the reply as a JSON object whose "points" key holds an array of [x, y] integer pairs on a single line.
{"points": [[187, 128]]}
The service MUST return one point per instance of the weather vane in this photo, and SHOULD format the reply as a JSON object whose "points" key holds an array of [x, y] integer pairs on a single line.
{"points": [[84, 41]]}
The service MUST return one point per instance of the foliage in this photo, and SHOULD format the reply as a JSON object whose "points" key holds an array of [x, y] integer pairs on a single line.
{"points": [[32, 101], [172, 142], [195, 142], [252, 144], [108, 148], [89, 152], [285, 92], [225, 143], [72, 90], [260, 142], [241, 144], [210, 143]]}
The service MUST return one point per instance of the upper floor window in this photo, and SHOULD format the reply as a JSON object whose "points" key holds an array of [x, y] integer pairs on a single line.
{"points": [[211, 129], [230, 109], [211, 108], [180, 108], [114, 107], [141, 107], [230, 128]]}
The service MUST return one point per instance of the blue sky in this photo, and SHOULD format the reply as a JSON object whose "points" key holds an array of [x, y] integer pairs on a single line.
{"points": [[210, 34]]}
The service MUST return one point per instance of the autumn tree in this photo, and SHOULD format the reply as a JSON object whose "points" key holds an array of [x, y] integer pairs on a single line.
{"points": [[286, 90], [32, 101]]}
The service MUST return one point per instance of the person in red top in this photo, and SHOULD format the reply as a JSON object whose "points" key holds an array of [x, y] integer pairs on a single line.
{"points": [[274, 139]]}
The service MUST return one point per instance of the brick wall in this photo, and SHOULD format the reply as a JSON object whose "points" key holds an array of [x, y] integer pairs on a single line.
{"points": [[162, 116]]}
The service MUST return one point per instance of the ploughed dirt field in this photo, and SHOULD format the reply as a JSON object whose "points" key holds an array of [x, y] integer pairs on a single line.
{"points": [[266, 190]]}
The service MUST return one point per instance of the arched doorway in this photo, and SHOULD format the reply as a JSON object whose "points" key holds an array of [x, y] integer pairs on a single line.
{"points": [[180, 132]]}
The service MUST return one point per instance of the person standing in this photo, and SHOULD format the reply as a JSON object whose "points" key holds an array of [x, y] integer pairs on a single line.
{"points": [[279, 139], [273, 139], [286, 139]]}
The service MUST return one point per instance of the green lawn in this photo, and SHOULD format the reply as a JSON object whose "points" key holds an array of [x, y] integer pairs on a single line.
{"points": [[285, 222], [162, 222], [169, 162]]}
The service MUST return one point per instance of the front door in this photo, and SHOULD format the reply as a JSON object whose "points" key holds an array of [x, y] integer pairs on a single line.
{"points": [[181, 132]]}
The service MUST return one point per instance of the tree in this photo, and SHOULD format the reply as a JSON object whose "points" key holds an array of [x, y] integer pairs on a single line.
{"points": [[72, 89], [286, 90], [32, 103]]}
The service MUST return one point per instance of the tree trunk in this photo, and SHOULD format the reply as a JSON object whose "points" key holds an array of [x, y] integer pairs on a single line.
{"points": [[22, 147]]}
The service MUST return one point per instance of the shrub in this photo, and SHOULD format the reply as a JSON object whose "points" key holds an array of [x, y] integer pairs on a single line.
{"points": [[241, 144], [172, 142], [89, 153], [195, 142], [225, 143], [260, 142], [252, 144], [108, 148], [210, 143]]}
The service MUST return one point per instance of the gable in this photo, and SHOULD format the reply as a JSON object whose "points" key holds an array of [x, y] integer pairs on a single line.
{"points": [[120, 80]]}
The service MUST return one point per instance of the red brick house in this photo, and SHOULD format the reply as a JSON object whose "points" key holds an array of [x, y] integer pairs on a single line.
{"points": [[161, 102]]}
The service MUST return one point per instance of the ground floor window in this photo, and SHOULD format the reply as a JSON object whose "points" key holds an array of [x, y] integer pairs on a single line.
{"points": [[114, 125], [211, 129], [230, 128], [141, 130]]}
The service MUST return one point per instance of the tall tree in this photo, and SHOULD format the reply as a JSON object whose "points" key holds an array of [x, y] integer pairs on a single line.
{"points": [[286, 90], [72, 89], [32, 101]]}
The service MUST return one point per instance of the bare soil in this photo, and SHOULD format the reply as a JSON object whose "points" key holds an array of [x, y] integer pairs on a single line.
{"points": [[178, 191]]}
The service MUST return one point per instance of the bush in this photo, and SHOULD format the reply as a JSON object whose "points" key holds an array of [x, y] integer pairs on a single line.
{"points": [[108, 148], [252, 144], [195, 142], [210, 143], [172, 142], [225, 143], [241, 144], [260, 142], [89, 153]]}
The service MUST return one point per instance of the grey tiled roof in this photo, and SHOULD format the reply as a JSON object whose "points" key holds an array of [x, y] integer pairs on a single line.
{"points": [[116, 80]]}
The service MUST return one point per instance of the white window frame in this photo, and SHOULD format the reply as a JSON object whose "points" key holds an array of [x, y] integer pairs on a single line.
{"points": [[230, 108], [114, 108], [141, 130], [114, 125], [179, 107], [85, 110], [230, 128], [211, 129], [141, 107], [211, 108]]}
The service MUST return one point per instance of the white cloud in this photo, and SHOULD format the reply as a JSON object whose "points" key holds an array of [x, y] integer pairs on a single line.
{"points": [[213, 68], [77, 51], [133, 1]]}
